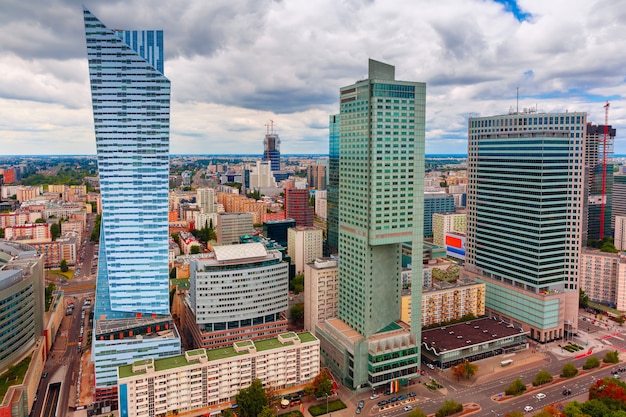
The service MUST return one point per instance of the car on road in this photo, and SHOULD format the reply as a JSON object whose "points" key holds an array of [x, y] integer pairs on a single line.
{"points": [[430, 366], [44, 375], [567, 391], [615, 375], [528, 408], [540, 396], [408, 408], [361, 404], [373, 396]]}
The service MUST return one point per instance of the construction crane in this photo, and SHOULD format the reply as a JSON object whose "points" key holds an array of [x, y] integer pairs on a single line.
{"points": [[606, 134]]}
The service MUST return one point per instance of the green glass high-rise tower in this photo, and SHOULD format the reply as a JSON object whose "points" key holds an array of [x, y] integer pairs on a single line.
{"points": [[381, 166]]}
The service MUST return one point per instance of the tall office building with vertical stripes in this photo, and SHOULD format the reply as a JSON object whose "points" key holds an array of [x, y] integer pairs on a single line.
{"points": [[131, 101], [381, 168], [525, 217]]}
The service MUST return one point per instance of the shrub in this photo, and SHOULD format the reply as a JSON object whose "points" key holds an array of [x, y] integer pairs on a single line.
{"points": [[592, 362], [517, 387], [542, 377], [318, 410], [611, 357], [569, 370], [449, 407]]}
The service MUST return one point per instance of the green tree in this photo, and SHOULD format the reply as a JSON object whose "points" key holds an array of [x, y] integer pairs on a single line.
{"points": [[611, 357], [569, 370], [228, 413], [297, 284], [1, 232], [174, 236], [296, 312], [542, 377], [251, 400], [573, 409], [591, 362], [449, 407], [173, 273], [583, 299], [417, 412], [95, 233], [266, 411], [63, 266], [595, 408], [194, 249], [517, 387], [40, 220], [55, 230]]}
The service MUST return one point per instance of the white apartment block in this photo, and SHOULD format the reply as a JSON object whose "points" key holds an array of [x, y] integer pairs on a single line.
{"points": [[620, 232], [321, 204], [446, 223], [17, 218], [321, 291], [445, 302], [304, 245], [261, 175], [603, 277], [203, 381], [205, 199]]}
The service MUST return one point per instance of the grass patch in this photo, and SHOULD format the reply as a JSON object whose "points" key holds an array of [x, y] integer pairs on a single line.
{"points": [[68, 274], [433, 385], [318, 410], [13, 376]]}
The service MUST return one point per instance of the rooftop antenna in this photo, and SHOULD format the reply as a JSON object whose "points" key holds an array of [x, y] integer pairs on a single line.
{"points": [[270, 127]]}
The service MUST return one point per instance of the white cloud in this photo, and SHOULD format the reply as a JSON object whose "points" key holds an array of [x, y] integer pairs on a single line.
{"points": [[235, 65]]}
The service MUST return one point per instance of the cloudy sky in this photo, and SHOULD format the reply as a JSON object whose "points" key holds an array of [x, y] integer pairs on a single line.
{"points": [[237, 64]]}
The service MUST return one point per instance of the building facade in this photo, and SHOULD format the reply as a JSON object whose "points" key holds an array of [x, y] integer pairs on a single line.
{"points": [[271, 148], [297, 204], [436, 202], [332, 220], [619, 197], [599, 170], [21, 301], [204, 381], [239, 292], [304, 245], [131, 102], [620, 232], [525, 217], [444, 223], [321, 291], [381, 145], [603, 277], [232, 225]]}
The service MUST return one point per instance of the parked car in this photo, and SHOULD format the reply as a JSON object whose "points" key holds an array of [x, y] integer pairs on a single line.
{"points": [[408, 408], [361, 404], [373, 396], [358, 410]]}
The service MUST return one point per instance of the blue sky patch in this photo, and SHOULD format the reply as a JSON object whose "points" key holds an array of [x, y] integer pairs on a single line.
{"points": [[512, 7]]}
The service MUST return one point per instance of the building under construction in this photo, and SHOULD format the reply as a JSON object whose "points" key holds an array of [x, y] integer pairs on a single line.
{"points": [[599, 180]]}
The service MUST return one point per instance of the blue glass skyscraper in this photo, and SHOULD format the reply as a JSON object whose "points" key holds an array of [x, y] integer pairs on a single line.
{"points": [[131, 99]]}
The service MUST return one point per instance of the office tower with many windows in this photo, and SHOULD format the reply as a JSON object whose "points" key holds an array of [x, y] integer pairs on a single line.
{"points": [[599, 181], [332, 220], [271, 148], [381, 142], [525, 217], [131, 100]]}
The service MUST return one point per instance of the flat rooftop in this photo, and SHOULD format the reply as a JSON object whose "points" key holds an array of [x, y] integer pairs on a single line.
{"points": [[217, 354], [473, 332]]}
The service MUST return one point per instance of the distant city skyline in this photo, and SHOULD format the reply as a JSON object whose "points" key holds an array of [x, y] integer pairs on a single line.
{"points": [[233, 72]]}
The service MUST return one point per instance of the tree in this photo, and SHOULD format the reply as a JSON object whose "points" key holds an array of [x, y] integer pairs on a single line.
{"points": [[63, 266], [569, 370], [40, 220], [228, 413], [591, 362], [417, 412], [1, 232], [296, 312], [194, 249], [517, 387], [610, 391], [573, 409], [542, 377], [297, 284], [174, 236], [173, 273], [469, 369], [323, 384], [449, 407], [611, 357], [595, 408], [55, 230], [251, 400], [457, 371], [266, 411], [583, 299]]}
